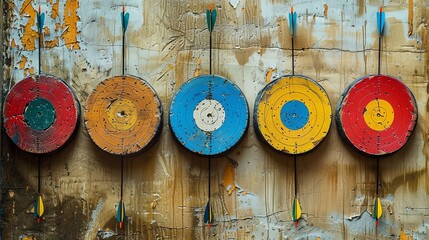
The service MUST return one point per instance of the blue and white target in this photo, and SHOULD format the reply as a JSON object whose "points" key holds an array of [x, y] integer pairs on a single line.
{"points": [[209, 115]]}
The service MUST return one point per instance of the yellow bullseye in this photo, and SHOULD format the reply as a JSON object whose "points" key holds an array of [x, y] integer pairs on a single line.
{"points": [[122, 114], [379, 115]]}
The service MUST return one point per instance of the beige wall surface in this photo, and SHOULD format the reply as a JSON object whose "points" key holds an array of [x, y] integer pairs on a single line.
{"points": [[165, 188]]}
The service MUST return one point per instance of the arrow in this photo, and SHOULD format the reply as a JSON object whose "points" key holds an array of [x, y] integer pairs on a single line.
{"points": [[40, 22], [380, 21], [296, 211], [380, 28], [211, 17], [120, 214], [39, 208], [208, 215], [378, 211], [124, 19], [292, 21]]}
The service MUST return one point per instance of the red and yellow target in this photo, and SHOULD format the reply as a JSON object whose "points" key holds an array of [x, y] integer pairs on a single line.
{"points": [[123, 115], [377, 114], [292, 114]]}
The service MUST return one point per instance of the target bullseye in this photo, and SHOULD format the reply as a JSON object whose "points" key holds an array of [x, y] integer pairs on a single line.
{"points": [[41, 113], [292, 114], [377, 114], [123, 115], [208, 115]]}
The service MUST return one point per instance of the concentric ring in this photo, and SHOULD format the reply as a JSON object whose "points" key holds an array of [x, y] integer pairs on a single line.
{"points": [[209, 115], [123, 115], [377, 114], [41, 113], [292, 114]]}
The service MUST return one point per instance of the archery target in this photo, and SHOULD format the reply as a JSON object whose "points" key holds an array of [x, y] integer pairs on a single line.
{"points": [[292, 114], [208, 115], [41, 113], [123, 115], [377, 114]]}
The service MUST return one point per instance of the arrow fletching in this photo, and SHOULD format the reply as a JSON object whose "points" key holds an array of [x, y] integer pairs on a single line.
{"points": [[125, 17], [120, 214], [208, 215], [296, 211], [380, 21], [211, 15], [378, 211], [40, 20], [292, 21], [39, 208]]}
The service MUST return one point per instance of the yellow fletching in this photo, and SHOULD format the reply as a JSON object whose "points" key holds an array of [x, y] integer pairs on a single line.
{"points": [[379, 209], [40, 207]]}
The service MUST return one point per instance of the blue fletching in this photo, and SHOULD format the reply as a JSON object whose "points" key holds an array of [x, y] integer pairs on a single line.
{"points": [[120, 214], [40, 21], [208, 216], [292, 22], [124, 20], [381, 17]]}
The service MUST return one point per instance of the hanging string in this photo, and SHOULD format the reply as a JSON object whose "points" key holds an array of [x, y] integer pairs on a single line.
{"points": [[39, 189], [295, 177], [122, 177]]}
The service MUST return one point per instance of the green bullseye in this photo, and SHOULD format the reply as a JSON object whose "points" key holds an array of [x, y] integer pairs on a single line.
{"points": [[39, 114]]}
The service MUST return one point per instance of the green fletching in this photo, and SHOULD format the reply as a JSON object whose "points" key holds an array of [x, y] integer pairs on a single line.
{"points": [[211, 19]]}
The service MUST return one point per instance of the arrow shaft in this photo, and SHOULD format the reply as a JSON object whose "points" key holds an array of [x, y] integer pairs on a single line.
{"points": [[38, 175], [293, 56], [377, 174], [209, 180], [123, 53], [210, 52], [379, 53], [294, 175]]}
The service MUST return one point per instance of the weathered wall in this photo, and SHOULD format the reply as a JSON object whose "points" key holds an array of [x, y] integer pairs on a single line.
{"points": [[166, 187]]}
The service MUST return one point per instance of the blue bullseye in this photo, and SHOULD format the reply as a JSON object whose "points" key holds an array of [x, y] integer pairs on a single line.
{"points": [[294, 115]]}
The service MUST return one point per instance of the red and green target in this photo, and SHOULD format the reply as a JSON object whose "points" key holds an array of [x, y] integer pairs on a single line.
{"points": [[41, 114], [377, 114]]}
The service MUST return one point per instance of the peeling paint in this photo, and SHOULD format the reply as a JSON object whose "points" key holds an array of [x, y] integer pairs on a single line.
{"points": [[70, 24], [29, 35]]}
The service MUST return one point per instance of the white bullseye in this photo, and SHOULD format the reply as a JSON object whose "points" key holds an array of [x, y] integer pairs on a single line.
{"points": [[209, 115]]}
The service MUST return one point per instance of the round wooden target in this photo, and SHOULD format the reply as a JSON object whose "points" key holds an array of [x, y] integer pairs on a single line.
{"points": [[123, 115], [209, 115], [292, 114], [377, 114], [41, 113]]}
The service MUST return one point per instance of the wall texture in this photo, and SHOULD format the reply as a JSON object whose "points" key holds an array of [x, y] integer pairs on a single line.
{"points": [[252, 191]]}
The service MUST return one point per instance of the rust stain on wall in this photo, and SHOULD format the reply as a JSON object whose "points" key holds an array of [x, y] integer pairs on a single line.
{"points": [[361, 4], [229, 178], [30, 35], [410, 17], [325, 10], [70, 24]]}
